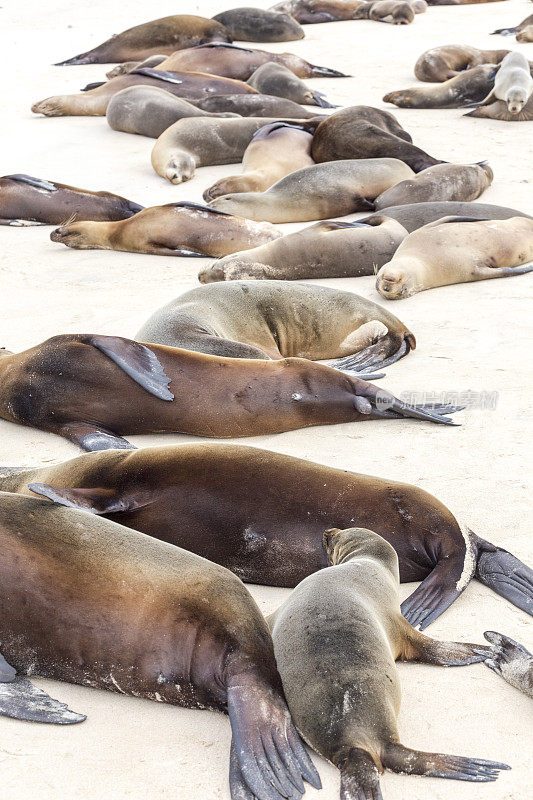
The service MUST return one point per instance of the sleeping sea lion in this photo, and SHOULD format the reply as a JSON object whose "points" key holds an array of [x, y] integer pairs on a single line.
{"points": [[526, 34], [513, 86], [442, 63], [256, 105], [263, 515], [30, 201], [500, 110], [397, 12], [330, 249], [89, 602], [457, 250], [413, 215], [467, 87], [277, 80], [309, 12], [510, 660], [163, 35], [441, 182], [257, 25]]}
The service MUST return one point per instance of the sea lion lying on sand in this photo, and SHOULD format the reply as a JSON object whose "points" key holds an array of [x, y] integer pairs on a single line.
{"points": [[442, 63], [441, 182], [414, 215], [277, 80], [466, 87], [257, 25], [513, 86]]}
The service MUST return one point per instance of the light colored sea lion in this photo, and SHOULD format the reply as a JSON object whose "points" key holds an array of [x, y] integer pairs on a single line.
{"points": [[467, 87], [513, 85], [89, 602], [336, 638], [30, 201], [175, 229], [330, 249], [525, 35], [332, 189], [511, 661], [459, 182], [442, 63], [273, 319], [263, 515], [256, 105], [309, 12], [397, 12], [456, 250], [163, 35], [276, 150], [526, 23], [94, 102], [413, 215], [257, 25], [499, 110], [277, 80]]}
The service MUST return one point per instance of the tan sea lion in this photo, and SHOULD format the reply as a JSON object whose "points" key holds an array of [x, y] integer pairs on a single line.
{"points": [[499, 110], [89, 602], [525, 35], [256, 105], [175, 229], [442, 63], [336, 638], [397, 12], [413, 215], [277, 80], [276, 150], [442, 182], [467, 87], [309, 12], [330, 249], [510, 660], [513, 85], [526, 23], [30, 201], [332, 189], [163, 35], [456, 250], [257, 25]]}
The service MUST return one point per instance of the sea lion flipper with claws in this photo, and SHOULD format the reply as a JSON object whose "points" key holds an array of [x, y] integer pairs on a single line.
{"points": [[511, 661]]}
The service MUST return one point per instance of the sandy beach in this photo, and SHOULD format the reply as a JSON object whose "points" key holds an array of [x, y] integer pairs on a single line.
{"points": [[473, 338]]}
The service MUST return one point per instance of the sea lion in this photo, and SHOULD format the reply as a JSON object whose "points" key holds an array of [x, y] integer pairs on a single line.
{"points": [[175, 229], [163, 35], [441, 182], [198, 142], [467, 87], [94, 102], [330, 249], [263, 515], [510, 660], [526, 23], [442, 63], [336, 638], [272, 319], [413, 215], [91, 389], [277, 80], [366, 132], [128, 66], [309, 12], [397, 12], [332, 189], [513, 85], [276, 150], [256, 105], [499, 110], [525, 35], [30, 201], [257, 25], [87, 601], [457, 250]]}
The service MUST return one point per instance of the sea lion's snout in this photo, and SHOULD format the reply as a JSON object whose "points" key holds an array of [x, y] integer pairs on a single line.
{"points": [[390, 285], [72, 236]]}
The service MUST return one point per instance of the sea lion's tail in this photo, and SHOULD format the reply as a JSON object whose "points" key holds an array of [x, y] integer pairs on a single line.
{"points": [[359, 776], [326, 72], [398, 758], [504, 574], [83, 58]]}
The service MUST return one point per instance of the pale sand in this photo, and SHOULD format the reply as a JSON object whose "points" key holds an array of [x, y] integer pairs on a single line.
{"points": [[471, 336]]}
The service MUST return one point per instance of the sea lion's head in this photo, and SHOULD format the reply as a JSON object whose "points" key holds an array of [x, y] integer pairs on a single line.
{"points": [[397, 279], [516, 100], [81, 235], [344, 545]]}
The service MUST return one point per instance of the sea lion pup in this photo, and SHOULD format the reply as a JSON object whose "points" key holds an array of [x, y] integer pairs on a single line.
{"points": [[510, 660], [330, 249], [175, 229], [30, 201], [457, 250], [526, 23], [441, 182], [442, 63], [513, 85], [366, 132], [91, 389], [257, 25], [94, 102], [276, 150], [414, 215], [396, 12], [256, 105], [467, 87], [277, 80], [159, 36], [87, 601], [499, 110], [272, 319], [336, 639], [525, 35], [332, 189]]}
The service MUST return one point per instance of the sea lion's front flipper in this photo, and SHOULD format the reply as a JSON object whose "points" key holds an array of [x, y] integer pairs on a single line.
{"points": [[92, 437], [20, 699], [359, 776], [510, 660], [96, 500], [505, 575], [137, 361], [398, 758], [438, 591]]}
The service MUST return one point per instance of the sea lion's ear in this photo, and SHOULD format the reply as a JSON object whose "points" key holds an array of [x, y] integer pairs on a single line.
{"points": [[20, 699], [97, 500]]}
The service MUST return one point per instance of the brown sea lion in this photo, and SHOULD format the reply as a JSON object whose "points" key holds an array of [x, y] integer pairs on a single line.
{"points": [[276, 150], [513, 86], [163, 35], [442, 182], [330, 249], [30, 201], [510, 660], [277, 80], [457, 250], [89, 602], [366, 132], [273, 319], [263, 515], [397, 12], [256, 105], [467, 87], [336, 638], [175, 229], [442, 63], [413, 215], [332, 189], [526, 23], [91, 389], [309, 12], [94, 102], [257, 25], [499, 110]]}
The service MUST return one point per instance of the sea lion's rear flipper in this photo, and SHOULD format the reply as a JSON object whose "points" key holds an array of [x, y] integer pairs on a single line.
{"points": [[20, 223], [38, 183], [137, 361], [92, 437], [375, 356], [96, 500], [505, 574], [20, 699], [398, 758], [426, 650], [511, 661], [321, 101], [359, 776], [325, 72], [94, 85]]}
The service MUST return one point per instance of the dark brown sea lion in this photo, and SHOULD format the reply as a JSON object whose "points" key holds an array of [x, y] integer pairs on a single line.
{"points": [[526, 23], [263, 515], [309, 12], [256, 25], [336, 638], [87, 601], [366, 132], [467, 87], [163, 35], [442, 63], [397, 12], [256, 105], [510, 660], [441, 182], [175, 229], [414, 215], [29, 201], [277, 80]]}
